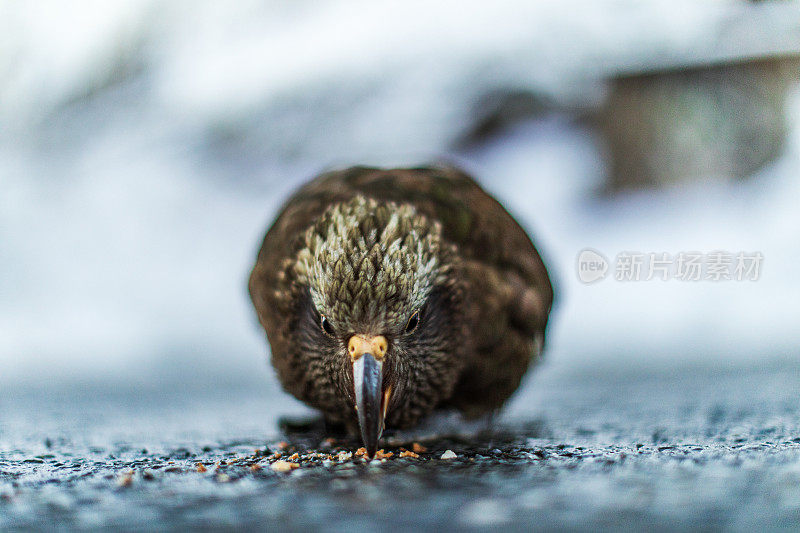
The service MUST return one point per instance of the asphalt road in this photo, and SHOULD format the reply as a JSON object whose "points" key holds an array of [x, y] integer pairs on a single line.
{"points": [[690, 446]]}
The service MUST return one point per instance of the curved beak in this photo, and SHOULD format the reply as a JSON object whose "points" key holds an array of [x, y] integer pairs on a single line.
{"points": [[366, 354]]}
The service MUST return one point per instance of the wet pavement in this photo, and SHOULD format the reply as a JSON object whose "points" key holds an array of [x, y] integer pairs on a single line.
{"points": [[706, 447]]}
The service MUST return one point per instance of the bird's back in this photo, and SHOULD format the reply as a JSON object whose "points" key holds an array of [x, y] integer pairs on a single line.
{"points": [[508, 288]]}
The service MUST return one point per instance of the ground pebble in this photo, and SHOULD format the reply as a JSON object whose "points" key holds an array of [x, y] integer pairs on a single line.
{"points": [[449, 454], [283, 466]]}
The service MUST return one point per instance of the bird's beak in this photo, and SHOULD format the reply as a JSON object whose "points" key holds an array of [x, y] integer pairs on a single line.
{"points": [[366, 354]]}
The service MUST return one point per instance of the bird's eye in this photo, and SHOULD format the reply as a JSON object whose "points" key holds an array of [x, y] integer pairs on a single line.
{"points": [[325, 324], [413, 322]]}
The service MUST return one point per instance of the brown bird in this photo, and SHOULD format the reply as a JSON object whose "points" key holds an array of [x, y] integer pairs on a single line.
{"points": [[386, 294]]}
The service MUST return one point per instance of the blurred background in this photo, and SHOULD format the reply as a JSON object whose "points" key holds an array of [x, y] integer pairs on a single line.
{"points": [[145, 147]]}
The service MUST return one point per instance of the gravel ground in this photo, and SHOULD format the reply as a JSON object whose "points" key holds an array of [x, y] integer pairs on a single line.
{"points": [[622, 446]]}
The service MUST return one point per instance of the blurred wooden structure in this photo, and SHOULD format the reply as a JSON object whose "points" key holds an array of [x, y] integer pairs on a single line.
{"points": [[724, 120], [714, 107]]}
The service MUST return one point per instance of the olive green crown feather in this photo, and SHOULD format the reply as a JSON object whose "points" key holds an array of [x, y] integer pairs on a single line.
{"points": [[370, 263]]}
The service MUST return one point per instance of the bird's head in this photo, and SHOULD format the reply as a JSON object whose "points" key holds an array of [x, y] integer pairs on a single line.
{"points": [[380, 320]]}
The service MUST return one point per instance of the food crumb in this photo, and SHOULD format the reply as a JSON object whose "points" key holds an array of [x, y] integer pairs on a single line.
{"points": [[407, 453], [255, 467], [344, 456], [361, 452], [223, 477], [125, 480], [293, 457], [380, 454], [283, 466], [449, 454], [201, 467], [418, 448], [282, 445]]}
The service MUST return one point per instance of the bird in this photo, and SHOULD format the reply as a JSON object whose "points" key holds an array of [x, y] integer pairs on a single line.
{"points": [[389, 293]]}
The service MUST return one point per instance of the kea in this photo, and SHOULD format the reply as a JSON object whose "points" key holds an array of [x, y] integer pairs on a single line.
{"points": [[387, 294]]}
